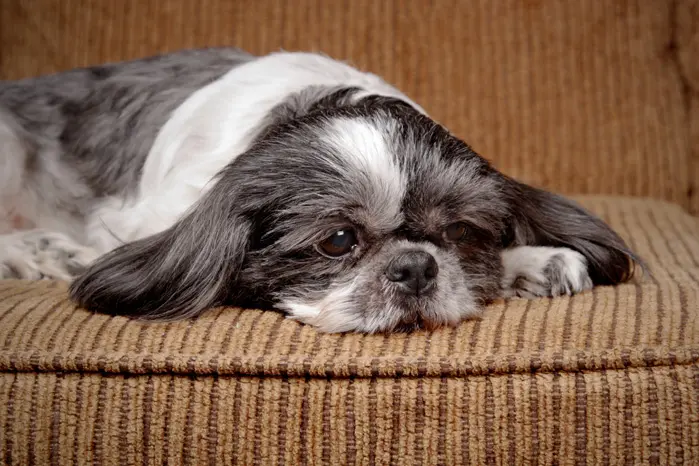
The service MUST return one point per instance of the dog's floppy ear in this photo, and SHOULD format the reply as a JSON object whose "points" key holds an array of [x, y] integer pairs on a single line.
{"points": [[540, 218], [177, 273]]}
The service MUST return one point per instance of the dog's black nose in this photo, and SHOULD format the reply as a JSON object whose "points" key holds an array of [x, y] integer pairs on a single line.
{"points": [[415, 271]]}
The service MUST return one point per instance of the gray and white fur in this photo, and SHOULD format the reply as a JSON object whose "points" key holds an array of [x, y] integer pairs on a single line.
{"points": [[168, 185]]}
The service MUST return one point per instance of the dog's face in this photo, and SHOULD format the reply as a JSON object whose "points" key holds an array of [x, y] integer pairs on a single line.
{"points": [[369, 218], [352, 215]]}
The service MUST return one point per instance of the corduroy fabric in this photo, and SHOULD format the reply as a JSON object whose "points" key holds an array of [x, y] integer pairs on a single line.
{"points": [[578, 96], [609, 376]]}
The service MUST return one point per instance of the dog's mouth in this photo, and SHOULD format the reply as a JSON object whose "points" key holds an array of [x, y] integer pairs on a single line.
{"points": [[418, 313], [354, 308], [405, 327], [419, 322]]}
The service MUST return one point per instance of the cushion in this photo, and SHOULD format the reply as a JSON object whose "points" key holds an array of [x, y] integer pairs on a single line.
{"points": [[548, 90], [607, 375]]}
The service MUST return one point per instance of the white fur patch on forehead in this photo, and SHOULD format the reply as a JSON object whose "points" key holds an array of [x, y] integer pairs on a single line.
{"points": [[367, 149]]}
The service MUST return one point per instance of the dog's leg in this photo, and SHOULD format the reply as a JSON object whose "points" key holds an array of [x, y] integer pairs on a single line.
{"points": [[531, 271], [40, 254]]}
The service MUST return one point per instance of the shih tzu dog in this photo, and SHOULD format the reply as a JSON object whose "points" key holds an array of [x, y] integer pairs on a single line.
{"points": [[168, 185]]}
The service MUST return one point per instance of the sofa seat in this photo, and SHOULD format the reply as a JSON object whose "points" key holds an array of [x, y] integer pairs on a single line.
{"points": [[604, 377]]}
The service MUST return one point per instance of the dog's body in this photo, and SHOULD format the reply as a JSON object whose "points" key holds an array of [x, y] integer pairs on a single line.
{"points": [[289, 181]]}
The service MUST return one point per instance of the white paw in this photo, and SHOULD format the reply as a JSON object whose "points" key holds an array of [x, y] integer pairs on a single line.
{"points": [[532, 271], [38, 254]]}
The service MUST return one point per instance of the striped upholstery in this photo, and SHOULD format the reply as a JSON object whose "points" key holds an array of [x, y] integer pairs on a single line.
{"points": [[578, 96], [549, 90], [607, 377]]}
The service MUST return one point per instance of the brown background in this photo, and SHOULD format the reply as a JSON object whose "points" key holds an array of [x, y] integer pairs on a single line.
{"points": [[578, 97]]}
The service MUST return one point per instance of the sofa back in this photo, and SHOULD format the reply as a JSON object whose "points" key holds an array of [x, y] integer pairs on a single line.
{"points": [[577, 97]]}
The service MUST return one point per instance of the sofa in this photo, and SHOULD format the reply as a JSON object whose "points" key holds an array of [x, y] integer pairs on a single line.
{"points": [[595, 100]]}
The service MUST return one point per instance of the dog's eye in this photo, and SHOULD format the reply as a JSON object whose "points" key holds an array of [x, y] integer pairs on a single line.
{"points": [[455, 231], [339, 244]]}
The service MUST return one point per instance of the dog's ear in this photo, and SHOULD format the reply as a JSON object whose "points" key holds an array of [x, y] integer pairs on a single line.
{"points": [[540, 218], [175, 274]]}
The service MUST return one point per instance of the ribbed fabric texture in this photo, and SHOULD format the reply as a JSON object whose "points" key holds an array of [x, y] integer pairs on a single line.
{"points": [[580, 97], [609, 376]]}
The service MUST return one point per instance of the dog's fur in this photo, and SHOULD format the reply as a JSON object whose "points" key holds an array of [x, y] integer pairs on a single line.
{"points": [[172, 184]]}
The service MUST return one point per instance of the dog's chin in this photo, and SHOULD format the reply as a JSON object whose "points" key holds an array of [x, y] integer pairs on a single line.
{"points": [[343, 311], [423, 313]]}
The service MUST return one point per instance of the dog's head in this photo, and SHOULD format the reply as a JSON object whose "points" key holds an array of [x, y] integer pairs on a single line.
{"points": [[348, 213]]}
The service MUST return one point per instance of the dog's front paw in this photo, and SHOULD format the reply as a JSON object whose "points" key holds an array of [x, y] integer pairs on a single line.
{"points": [[532, 271], [37, 254]]}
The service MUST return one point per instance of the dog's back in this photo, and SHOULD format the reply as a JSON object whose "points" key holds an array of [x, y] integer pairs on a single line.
{"points": [[70, 138]]}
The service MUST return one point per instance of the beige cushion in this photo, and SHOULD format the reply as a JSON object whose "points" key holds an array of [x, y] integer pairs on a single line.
{"points": [[607, 375]]}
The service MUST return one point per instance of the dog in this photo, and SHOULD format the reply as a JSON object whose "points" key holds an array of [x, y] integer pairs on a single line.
{"points": [[164, 186]]}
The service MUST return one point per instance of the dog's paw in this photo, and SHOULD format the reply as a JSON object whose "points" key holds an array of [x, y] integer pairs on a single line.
{"points": [[38, 254], [533, 271]]}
